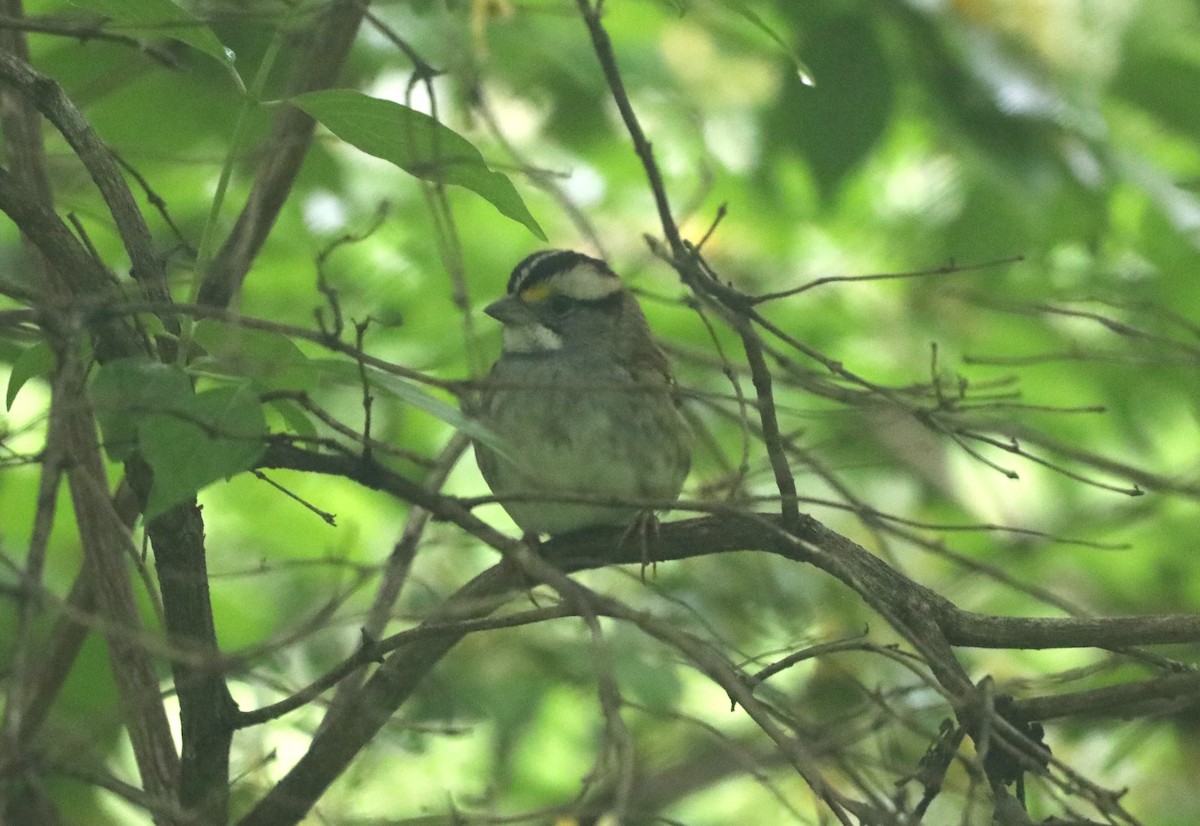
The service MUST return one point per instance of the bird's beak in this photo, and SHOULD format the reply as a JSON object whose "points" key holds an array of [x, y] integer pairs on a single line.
{"points": [[510, 310]]}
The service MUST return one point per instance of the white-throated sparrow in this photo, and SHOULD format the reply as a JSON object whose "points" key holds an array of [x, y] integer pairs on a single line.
{"points": [[581, 400]]}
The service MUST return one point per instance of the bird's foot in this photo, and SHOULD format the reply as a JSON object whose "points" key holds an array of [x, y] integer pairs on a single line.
{"points": [[643, 531]]}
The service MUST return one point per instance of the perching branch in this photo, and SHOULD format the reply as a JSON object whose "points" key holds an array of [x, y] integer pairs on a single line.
{"points": [[930, 623]]}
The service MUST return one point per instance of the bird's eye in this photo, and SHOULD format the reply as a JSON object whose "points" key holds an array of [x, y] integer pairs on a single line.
{"points": [[559, 304]]}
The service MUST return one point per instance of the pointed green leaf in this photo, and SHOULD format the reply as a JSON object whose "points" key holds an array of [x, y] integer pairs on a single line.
{"points": [[162, 18], [416, 143], [126, 391], [214, 435], [409, 393], [294, 416], [36, 361], [842, 119], [743, 10], [271, 361]]}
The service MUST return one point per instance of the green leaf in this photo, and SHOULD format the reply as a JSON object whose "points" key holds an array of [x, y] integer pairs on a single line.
{"points": [[271, 361], [294, 416], [409, 393], [36, 361], [416, 143], [836, 124], [212, 436], [126, 391], [162, 18], [743, 10]]}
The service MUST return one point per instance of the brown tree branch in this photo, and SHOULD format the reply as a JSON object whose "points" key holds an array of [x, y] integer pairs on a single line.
{"points": [[49, 99], [84, 30], [104, 544], [399, 564], [929, 622], [283, 151], [59, 654], [372, 706], [74, 268], [20, 125], [760, 374], [23, 143], [177, 536], [1165, 693], [205, 705], [602, 45], [727, 530], [372, 651], [688, 263]]}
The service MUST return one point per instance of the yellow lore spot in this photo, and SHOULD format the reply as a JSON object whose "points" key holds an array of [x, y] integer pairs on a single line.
{"points": [[538, 292]]}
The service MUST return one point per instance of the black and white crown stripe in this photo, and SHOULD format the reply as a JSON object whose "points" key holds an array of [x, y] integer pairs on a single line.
{"points": [[575, 275]]}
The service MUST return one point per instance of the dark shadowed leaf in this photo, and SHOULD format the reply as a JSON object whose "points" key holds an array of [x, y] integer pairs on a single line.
{"points": [[207, 437], [271, 361], [126, 391], [294, 416], [836, 122]]}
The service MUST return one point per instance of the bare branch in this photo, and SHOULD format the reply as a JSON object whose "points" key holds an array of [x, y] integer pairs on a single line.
{"points": [[51, 101], [282, 151]]}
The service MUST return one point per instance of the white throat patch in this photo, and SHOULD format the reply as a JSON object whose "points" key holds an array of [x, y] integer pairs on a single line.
{"points": [[530, 338]]}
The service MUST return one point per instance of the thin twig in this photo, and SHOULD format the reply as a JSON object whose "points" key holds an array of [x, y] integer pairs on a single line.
{"points": [[85, 30], [608, 64], [946, 269]]}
